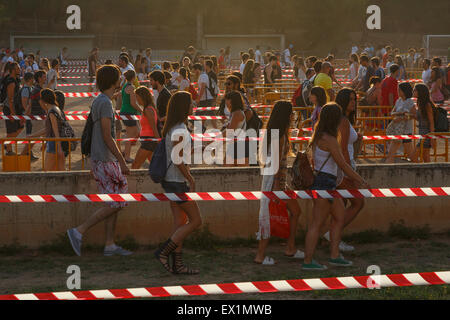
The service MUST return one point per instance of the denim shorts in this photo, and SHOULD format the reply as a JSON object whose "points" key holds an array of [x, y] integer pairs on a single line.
{"points": [[324, 181], [175, 187], [427, 142]]}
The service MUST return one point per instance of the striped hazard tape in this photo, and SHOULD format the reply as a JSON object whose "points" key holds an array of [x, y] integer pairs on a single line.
{"points": [[232, 196], [334, 283], [213, 137]]}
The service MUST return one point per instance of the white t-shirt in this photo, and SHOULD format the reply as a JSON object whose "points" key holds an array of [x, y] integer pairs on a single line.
{"points": [[287, 56], [173, 173], [355, 49], [402, 106], [184, 85], [51, 74], [362, 72], [241, 68], [301, 75], [258, 57], [426, 76], [353, 70], [205, 79]]}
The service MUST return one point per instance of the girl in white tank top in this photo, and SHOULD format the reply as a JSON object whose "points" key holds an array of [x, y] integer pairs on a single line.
{"points": [[328, 160]]}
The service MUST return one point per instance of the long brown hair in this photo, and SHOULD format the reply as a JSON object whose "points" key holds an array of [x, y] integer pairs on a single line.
{"points": [[177, 110], [146, 96], [279, 119], [329, 120]]}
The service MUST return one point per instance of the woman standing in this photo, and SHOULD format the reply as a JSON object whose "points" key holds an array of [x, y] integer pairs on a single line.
{"points": [[402, 112], [237, 122], [436, 86], [328, 160], [346, 99], [318, 99], [54, 155], [184, 80], [177, 177], [127, 99], [402, 73], [425, 118], [354, 67], [279, 121], [301, 69], [149, 127]]}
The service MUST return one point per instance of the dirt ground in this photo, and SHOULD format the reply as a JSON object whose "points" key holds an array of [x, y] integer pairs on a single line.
{"points": [[44, 270]]}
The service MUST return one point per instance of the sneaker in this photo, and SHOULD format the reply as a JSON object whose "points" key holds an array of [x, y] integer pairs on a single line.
{"points": [[344, 247], [314, 265], [74, 241], [119, 251], [340, 262]]}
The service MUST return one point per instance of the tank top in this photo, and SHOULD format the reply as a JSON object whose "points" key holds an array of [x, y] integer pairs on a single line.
{"points": [[320, 157], [126, 101], [351, 140], [146, 129], [241, 125]]}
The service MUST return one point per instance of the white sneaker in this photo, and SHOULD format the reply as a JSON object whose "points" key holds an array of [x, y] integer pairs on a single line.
{"points": [[344, 247]]}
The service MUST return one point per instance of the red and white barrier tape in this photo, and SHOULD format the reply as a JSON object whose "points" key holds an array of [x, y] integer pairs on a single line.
{"points": [[212, 137], [333, 283], [232, 196], [74, 70], [74, 77], [84, 117]]}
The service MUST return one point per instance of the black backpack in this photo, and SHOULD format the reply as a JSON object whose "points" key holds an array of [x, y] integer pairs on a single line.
{"points": [[86, 137], [65, 131], [440, 120]]}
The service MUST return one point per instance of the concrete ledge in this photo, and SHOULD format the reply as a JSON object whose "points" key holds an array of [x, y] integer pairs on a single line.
{"points": [[34, 224]]}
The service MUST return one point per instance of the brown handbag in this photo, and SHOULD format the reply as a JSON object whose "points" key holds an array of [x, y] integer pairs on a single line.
{"points": [[302, 171]]}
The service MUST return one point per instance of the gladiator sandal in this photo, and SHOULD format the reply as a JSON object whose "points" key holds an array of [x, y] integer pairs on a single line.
{"points": [[163, 253], [178, 266]]}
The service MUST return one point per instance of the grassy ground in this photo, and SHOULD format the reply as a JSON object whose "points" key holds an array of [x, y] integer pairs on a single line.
{"points": [[400, 250]]}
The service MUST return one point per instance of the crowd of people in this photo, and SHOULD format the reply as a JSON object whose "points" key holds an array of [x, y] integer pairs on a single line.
{"points": [[165, 105]]}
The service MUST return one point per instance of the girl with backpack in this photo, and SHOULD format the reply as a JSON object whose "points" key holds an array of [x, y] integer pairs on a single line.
{"points": [[149, 126], [55, 157], [328, 161], [176, 180], [425, 118], [279, 121], [237, 122]]}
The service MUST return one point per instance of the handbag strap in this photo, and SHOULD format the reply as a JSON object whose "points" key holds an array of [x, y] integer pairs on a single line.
{"points": [[323, 164]]}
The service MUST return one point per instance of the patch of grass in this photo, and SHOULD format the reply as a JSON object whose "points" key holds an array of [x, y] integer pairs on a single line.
{"points": [[60, 245], [399, 230], [13, 249], [368, 236], [128, 243], [202, 239]]}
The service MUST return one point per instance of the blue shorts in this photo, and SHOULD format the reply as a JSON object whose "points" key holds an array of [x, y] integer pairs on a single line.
{"points": [[175, 187], [324, 181]]}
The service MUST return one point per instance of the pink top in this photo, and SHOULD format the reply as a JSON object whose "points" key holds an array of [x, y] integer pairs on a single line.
{"points": [[146, 129], [437, 95]]}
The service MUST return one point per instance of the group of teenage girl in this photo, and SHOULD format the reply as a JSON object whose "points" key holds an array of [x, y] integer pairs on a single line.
{"points": [[332, 158]]}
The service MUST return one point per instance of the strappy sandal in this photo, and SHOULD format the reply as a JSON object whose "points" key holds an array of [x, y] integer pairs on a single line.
{"points": [[163, 253], [178, 266]]}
